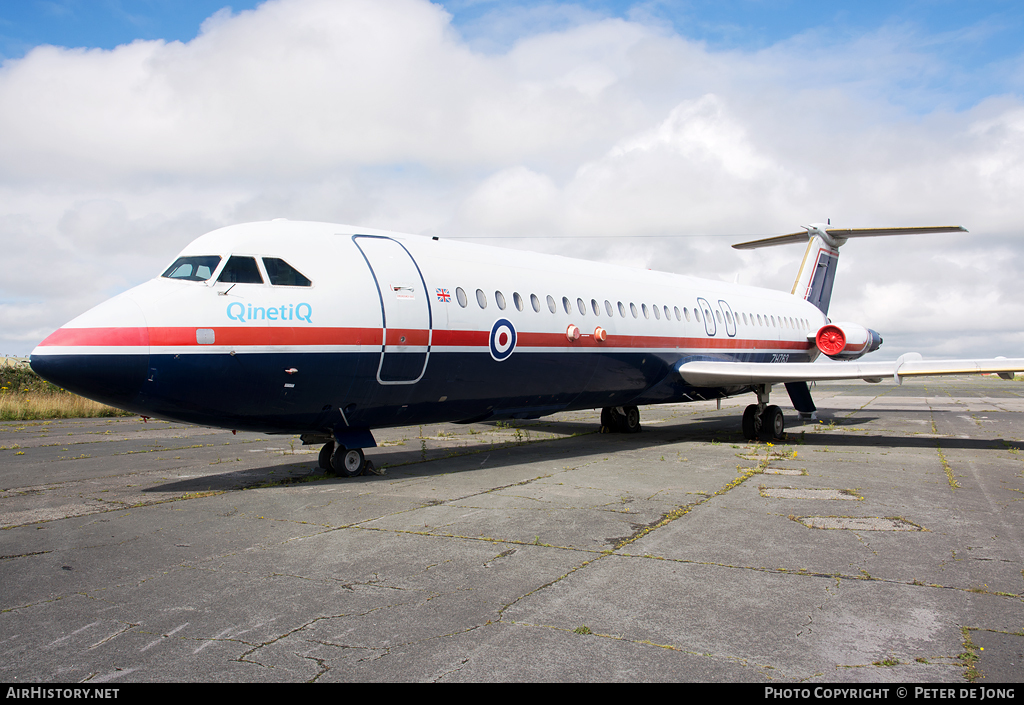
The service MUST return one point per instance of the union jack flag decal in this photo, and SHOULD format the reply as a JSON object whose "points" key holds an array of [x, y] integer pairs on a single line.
{"points": [[443, 296]]}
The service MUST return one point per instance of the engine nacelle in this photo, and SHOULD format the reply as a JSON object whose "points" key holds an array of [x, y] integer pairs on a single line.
{"points": [[846, 341]]}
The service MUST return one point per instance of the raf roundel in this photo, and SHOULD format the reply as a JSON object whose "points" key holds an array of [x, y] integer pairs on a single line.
{"points": [[503, 339]]}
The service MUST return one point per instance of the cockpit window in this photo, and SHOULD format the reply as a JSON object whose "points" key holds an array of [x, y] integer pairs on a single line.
{"points": [[241, 270], [193, 269], [283, 274]]}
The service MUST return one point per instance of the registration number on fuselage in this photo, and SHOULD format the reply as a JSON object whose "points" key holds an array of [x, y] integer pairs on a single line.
{"points": [[780, 357]]}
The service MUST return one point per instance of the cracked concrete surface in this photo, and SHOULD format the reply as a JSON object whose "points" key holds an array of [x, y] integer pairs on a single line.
{"points": [[536, 550]]}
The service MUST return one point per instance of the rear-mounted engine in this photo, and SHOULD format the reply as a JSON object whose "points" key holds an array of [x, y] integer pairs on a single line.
{"points": [[846, 341]]}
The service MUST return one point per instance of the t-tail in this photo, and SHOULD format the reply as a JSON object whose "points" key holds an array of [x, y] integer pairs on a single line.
{"points": [[817, 272]]}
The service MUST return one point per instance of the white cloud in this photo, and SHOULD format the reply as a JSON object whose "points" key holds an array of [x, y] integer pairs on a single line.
{"points": [[496, 205], [380, 113]]}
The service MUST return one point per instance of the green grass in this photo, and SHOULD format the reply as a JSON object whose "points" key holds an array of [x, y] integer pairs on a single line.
{"points": [[24, 395]]}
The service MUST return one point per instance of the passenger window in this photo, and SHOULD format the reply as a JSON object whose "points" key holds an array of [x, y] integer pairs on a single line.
{"points": [[608, 308], [622, 310], [460, 296], [632, 309], [566, 305], [668, 316], [678, 316], [581, 306], [500, 300], [283, 274], [518, 300], [536, 302], [551, 303], [241, 270], [193, 269], [643, 307], [481, 298], [596, 306], [657, 313], [686, 312]]}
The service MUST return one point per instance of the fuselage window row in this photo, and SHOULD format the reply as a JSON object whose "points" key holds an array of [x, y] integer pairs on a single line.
{"points": [[727, 318]]}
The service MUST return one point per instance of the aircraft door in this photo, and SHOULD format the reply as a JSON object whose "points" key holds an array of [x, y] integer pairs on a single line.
{"points": [[730, 319], [405, 308], [710, 327]]}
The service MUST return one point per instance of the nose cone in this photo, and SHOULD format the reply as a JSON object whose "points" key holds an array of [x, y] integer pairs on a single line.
{"points": [[103, 354]]}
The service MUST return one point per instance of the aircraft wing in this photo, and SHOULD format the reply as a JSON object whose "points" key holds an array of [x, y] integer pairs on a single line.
{"points": [[713, 373]]}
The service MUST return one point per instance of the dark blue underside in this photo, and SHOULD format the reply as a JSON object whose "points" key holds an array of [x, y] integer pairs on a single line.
{"points": [[335, 391]]}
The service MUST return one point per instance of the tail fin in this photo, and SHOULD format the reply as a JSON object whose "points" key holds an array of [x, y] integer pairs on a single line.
{"points": [[818, 270]]}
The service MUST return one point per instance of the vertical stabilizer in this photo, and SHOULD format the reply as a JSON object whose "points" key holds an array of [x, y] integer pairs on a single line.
{"points": [[817, 273]]}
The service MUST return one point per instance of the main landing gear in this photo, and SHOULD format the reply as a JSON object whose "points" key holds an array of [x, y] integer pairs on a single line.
{"points": [[762, 422], [620, 419], [347, 462]]}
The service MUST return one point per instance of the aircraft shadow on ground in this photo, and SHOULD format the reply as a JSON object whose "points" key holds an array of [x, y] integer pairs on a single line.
{"points": [[402, 462]]}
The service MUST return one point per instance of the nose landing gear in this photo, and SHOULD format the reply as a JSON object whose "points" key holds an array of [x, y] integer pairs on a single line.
{"points": [[762, 422]]}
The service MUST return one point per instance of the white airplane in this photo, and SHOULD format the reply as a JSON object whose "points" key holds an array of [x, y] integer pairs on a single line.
{"points": [[330, 331]]}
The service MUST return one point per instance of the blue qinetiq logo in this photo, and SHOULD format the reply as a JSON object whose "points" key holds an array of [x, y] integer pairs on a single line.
{"points": [[237, 311]]}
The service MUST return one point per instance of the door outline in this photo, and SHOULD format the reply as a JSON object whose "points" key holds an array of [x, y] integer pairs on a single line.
{"points": [[708, 314], [730, 318], [383, 309]]}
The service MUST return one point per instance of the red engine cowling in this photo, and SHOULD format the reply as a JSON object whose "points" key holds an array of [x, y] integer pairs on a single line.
{"points": [[846, 341]]}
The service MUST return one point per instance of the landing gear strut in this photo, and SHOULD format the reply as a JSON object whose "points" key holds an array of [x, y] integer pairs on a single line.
{"points": [[347, 462], [620, 419], [762, 422]]}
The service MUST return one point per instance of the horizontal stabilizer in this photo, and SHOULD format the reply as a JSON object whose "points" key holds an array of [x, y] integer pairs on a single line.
{"points": [[712, 373], [841, 235]]}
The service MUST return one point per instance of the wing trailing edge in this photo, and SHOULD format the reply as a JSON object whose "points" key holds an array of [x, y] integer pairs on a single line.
{"points": [[714, 373]]}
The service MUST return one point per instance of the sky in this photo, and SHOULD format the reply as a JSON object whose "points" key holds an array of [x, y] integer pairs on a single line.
{"points": [[654, 134]]}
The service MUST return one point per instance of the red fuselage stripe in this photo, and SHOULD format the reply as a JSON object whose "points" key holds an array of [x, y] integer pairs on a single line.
{"points": [[113, 337], [230, 335], [295, 336]]}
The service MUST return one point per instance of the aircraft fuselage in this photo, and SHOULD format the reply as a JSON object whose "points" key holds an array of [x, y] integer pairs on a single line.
{"points": [[378, 329]]}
